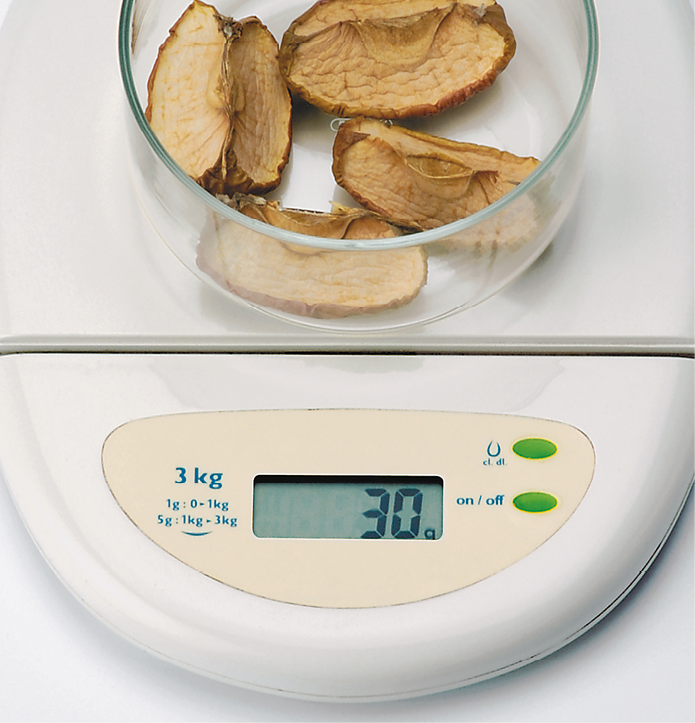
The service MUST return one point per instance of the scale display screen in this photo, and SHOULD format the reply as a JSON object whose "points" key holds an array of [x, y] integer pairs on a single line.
{"points": [[348, 507]]}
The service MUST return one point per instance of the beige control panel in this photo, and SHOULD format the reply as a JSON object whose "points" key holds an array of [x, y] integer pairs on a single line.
{"points": [[348, 508]]}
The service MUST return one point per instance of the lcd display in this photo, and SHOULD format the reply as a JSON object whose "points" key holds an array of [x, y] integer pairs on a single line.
{"points": [[348, 507]]}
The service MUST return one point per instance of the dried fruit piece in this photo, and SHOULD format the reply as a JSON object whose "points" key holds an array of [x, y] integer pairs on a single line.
{"points": [[218, 103], [343, 223], [186, 106], [421, 178], [312, 281], [395, 58], [261, 110]]}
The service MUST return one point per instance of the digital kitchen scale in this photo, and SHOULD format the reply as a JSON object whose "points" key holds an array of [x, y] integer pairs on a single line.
{"points": [[338, 517]]}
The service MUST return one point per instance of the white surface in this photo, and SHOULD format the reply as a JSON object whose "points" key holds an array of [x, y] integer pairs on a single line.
{"points": [[80, 261], [57, 663]]}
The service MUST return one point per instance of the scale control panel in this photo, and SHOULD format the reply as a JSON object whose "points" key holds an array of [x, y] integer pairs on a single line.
{"points": [[348, 508]]}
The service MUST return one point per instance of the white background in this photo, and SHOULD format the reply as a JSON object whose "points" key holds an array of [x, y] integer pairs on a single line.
{"points": [[58, 663]]}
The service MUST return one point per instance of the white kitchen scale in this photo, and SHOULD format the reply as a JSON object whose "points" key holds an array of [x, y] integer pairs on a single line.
{"points": [[342, 517]]}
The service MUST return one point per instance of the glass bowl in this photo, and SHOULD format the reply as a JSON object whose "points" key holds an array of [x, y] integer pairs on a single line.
{"points": [[537, 107]]}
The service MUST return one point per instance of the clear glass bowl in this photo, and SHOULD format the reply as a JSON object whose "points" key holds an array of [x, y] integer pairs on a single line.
{"points": [[538, 106]]}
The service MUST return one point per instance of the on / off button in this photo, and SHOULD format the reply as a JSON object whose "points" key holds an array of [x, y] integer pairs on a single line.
{"points": [[535, 502], [534, 448]]}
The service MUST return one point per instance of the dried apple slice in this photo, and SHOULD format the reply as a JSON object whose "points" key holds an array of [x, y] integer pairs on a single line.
{"points": [[308, 281], [218, 104], [186, 108], [343, 223], [430, 181], [261, 109], [395, 58]]}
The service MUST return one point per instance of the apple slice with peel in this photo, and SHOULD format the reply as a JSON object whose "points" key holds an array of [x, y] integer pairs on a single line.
{"points": [[218, 104], [395, 58], [311, 281], [424, 179]]}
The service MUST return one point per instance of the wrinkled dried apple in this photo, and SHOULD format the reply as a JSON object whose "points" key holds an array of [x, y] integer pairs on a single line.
{"points": [[218, 104], [395, 58], [417, 177], [343, 223], [310, 281]]}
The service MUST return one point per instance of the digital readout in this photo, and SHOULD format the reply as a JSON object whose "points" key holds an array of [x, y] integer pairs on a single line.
{"points": [[348, 507]]}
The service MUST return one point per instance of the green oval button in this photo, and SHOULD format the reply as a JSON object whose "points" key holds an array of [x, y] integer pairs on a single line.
{"points": [[535, 502], [535, 448]]}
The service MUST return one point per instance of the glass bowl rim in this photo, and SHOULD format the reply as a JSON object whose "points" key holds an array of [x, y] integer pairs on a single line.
{"points": [[420, 238]]}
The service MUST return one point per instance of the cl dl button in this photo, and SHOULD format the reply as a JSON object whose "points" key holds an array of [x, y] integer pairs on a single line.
{"points": [[533, 448]]}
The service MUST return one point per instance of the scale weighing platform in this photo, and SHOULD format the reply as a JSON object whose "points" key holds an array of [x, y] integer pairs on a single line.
{"points": [[526, 459]]}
